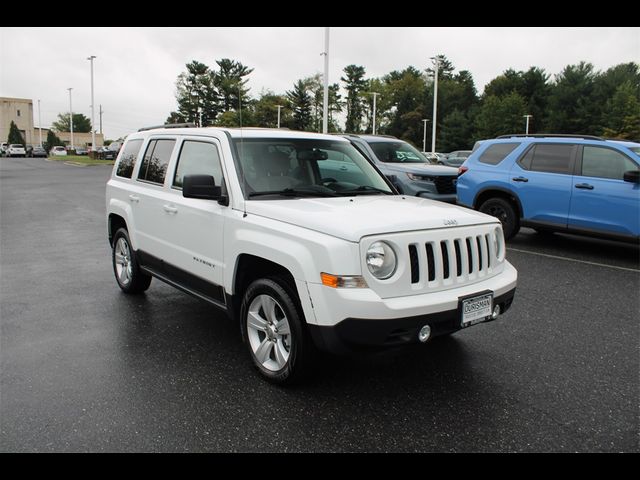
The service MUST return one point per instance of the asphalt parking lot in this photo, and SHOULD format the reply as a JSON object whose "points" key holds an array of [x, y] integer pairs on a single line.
{"points": [[85, 368]]}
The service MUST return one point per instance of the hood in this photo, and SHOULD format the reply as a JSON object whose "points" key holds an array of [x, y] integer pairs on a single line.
{"points": [[352, 218], [423, 168]]}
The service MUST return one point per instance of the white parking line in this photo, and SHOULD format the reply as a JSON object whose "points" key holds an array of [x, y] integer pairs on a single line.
{"points": [[574, 260]]}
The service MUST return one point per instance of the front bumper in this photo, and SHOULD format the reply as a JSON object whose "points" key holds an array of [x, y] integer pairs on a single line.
{"points": [[361, 334]]}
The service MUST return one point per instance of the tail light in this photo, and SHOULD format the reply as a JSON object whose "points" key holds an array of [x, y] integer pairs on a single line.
{"points": [[461, 170]]}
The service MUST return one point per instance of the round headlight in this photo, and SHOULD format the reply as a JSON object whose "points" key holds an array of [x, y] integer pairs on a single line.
{"points": [[381, 260]]}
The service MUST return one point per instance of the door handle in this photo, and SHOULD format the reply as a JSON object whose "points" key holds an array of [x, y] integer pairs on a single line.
{"points": [[170, 209], [584, 186], [134, 198], [520, 179], [343, 168]]}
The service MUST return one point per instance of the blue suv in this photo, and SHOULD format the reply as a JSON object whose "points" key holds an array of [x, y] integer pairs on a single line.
{"points": [[574, 184]]}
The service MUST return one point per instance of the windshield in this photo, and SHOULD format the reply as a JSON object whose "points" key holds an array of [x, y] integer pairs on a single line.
{"points": [[305, 167], [635, 150], [397, 152], [15, 145]]}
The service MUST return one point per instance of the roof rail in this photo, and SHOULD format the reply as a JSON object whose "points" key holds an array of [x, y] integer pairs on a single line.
{"points": [[169, 125], [551, 135]]}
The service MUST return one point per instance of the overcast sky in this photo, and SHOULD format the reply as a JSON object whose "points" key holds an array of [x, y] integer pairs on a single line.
{"points": [[136, 68]]}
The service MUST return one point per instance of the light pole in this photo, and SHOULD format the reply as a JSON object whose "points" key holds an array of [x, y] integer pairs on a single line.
{"points": [[40, 123], [375, 95], [279, 107], [527, 127], [424, 138], [70, 116], [436, 62], [93, 130], [325, 100]]}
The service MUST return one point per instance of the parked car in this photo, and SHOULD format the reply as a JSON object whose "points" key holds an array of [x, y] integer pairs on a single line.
{"points": [[247, 221], [81, 151], [38, 151], [16, 150], [452, 161], [104, 153], [565, 183], [58, 151], [459, 153], [409, 171]]}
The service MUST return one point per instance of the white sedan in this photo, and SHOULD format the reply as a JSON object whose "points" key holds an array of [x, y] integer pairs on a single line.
{"points": [[16, 150], [58, 151]]}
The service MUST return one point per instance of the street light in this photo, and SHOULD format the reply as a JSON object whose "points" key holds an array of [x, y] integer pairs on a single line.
{"points": [[93, 130], [436, 62], [40, 123], [325, 99], [70, 116], [424, 139], [279, 107], [375, 95], [527, 127]]}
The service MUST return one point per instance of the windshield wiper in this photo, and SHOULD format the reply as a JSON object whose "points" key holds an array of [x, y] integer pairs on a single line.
{"points": [[295, 192], [364, 190]]}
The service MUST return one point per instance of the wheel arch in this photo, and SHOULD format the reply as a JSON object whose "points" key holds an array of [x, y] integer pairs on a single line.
{"points": [[492, 192]]}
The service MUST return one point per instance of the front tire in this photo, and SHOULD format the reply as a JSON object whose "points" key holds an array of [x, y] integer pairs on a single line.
{"points": [[503, 210], [273, 328], [125, 265]]}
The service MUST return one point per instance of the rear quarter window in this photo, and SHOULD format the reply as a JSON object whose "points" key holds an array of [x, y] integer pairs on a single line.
{"points": [[497, 152], [128, 158]]}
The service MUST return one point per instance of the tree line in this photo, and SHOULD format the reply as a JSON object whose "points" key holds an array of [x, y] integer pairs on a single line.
{"points": [[577, 100]]}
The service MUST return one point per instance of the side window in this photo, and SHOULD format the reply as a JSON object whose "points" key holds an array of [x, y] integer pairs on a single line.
{"points": [[155, 161], [552, 158], [128, 158], [198, 158], [605, 163], [497, 152]]}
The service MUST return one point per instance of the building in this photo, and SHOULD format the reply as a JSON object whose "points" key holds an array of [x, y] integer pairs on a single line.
{"points": [[79, 139], [20, 111]]}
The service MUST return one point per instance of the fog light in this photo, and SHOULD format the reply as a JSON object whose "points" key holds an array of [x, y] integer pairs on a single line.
{"points": [[424, 334], [496, 312]]}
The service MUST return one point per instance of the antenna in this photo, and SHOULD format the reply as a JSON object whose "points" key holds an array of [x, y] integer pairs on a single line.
{"points": [[244, 179]]}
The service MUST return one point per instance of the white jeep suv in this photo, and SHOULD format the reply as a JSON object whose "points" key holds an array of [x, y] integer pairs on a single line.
{"points": [[302, 240]]}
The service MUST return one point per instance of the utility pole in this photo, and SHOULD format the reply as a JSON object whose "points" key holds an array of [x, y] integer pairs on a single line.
{"points": [[101, 119], [93, 130], [325, 101], [71, 116], [436, 62], [279, 107], [527, 127]]}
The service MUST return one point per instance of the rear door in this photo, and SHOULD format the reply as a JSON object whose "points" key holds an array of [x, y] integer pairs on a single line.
{"points": [[150, 201], [602, 200], [542, 179]]}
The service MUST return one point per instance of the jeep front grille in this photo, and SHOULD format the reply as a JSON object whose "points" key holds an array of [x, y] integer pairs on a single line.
{"points": [[438, 259], [462, 257]]}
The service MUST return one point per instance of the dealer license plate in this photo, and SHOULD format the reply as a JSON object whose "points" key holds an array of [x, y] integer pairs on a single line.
{"points": [[476, 309]]}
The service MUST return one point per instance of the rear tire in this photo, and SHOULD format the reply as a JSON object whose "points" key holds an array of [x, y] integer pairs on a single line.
{"points": [[125, 265], [273, 328], [504, 211]]}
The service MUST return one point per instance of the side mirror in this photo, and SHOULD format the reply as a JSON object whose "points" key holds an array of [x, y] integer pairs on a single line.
{"points": [[632, 176], [200, 186]]}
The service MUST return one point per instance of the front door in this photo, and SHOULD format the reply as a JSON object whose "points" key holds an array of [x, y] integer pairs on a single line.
{"points": [[194, 227], [602, 200]]}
